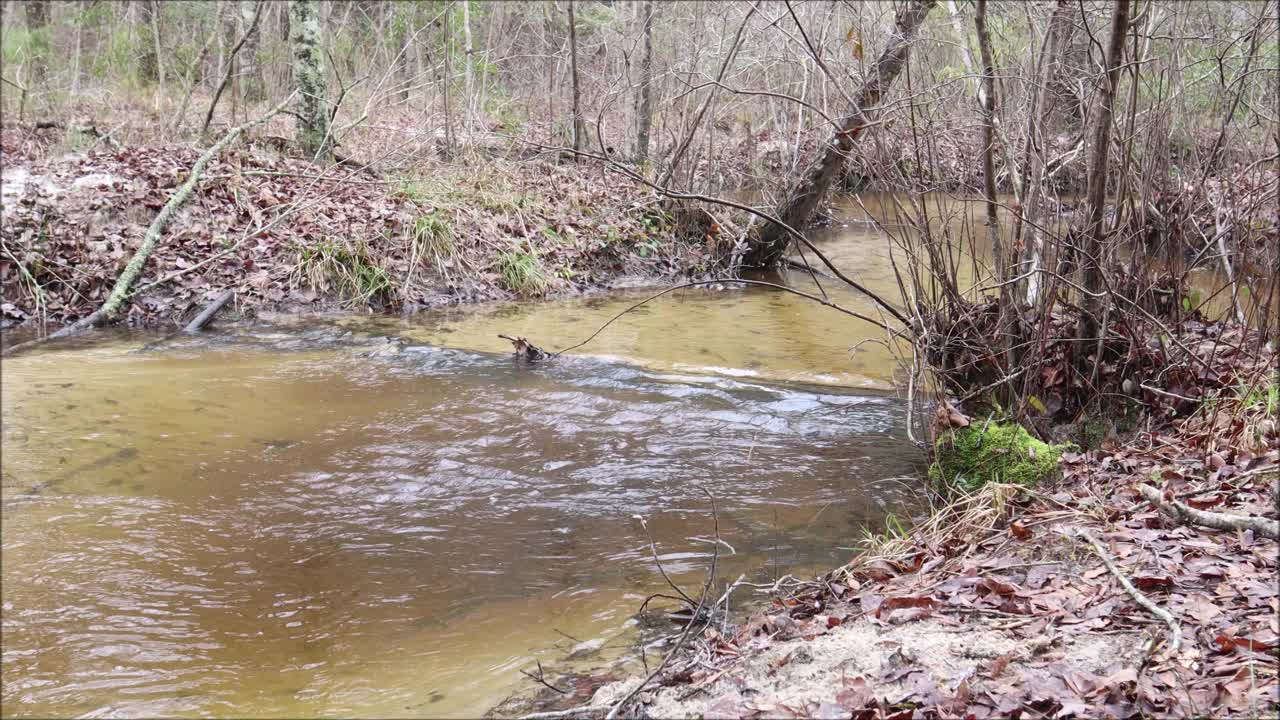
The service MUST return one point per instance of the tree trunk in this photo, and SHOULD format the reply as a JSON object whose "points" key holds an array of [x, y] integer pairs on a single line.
{"points": [[1094, 228], [229, 74], [965, 55], [573, 71], [987, 101], [445, 81], [769, 241], [645, 111], [37, 12], [155, 37], [251, 83], [468, 73], [312, 83], [1033, 162], [147, 59], [403, 21], [81, 6]]}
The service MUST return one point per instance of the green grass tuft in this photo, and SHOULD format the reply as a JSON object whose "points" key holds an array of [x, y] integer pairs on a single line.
{"points": [[522, 272], [333, 265], [433, 233]]}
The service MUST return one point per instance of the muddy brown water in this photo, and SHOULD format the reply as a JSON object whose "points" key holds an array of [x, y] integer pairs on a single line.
{"points": [[263, 522], [266, 523]]}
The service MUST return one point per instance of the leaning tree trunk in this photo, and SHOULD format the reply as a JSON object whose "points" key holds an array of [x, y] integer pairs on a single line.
{"points": [[645, 113], [769, 240], [312, 83], [1093, 300], [123, 288]]}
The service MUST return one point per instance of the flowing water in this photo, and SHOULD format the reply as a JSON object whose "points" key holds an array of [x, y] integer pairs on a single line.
{"points": [[266, 522]]}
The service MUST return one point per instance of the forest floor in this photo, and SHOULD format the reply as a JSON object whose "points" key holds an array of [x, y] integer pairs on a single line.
{"points": [[998, 604], [286, 235], [415, 231]]}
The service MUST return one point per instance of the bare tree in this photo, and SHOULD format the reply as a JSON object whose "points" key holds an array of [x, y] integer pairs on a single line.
{"points": [[468, 72], [253, 87], [1096, 197], [573, 70], [312, 110], [644, 109], [1034, 158], [987, 103], [155, 37], [37, 12], [149, 59]]}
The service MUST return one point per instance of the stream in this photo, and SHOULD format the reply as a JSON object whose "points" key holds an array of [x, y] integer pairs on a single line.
{"points": [[265, 522]]}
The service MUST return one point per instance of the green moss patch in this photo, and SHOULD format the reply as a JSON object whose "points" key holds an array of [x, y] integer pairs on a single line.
{"points": [[968, 458]]}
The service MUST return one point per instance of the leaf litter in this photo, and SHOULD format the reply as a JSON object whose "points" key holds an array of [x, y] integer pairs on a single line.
{"points": [[997, 607], [287, 235]]}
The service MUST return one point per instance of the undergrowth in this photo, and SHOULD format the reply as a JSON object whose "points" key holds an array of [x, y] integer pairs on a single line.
{"points": [[521, 272], [348, 269]]}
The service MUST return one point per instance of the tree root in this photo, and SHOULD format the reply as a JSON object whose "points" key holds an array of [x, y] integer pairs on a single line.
{"points": [[1217, 521], [1175, 630]]}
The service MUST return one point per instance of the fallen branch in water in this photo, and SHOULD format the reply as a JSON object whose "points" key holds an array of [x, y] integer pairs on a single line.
{"points": [[1175, 630], [1217, 521], [207, 314], [688, 629], [526, 350]]}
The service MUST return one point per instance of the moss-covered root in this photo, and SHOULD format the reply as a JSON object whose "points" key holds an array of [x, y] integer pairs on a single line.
{"points": [[968, 458]]}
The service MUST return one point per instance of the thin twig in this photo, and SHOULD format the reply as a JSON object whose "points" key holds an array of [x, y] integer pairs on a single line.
{"points": [[693, 621], [541, 679], [1175, 630]]}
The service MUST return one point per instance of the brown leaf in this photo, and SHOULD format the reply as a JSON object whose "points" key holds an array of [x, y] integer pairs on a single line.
{"points": [[1152, 582], [856, 693], [1202, 608]]}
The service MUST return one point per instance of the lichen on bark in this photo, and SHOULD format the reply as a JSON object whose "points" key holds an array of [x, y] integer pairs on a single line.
{"points": [[309, 75]]}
